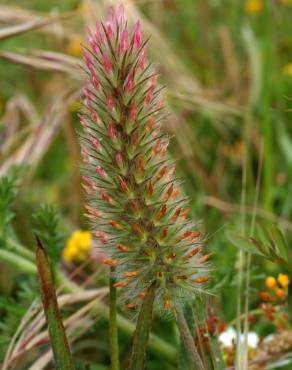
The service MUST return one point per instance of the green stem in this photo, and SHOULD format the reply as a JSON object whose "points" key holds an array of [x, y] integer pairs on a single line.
{"points": [[188, 340], [21, 264], [141, 335], [114, 342], [267, 96]]}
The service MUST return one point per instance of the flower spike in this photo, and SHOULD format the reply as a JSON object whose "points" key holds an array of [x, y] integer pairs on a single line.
{"points": [[135, 204]]}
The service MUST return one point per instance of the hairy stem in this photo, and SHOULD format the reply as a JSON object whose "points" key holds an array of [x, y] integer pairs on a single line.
{"points": [[114, 342], [187, 340], [141, 335]]}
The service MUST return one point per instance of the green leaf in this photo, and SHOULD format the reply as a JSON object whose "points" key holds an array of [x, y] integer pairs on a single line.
{"points": [[280, 242], [46, 225], [242, 243], [58, 339], [263, 234]]}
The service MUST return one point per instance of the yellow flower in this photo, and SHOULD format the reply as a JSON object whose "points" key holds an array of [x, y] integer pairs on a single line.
{"points": [[253, 6], [271, 282], [74, 47], [287, 69], [283, 280], [286, 2], [78, 246]]}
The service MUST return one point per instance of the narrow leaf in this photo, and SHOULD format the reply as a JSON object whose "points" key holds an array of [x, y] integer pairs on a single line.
{"points": [[242, 243], [280, 242], [141, 335], [56, 329]]}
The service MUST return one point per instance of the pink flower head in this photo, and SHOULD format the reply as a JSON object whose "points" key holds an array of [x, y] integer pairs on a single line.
{"points": [[83, 121], [124, 41], [85, 153], [111, 131], [149, 96], [110, 102], [119, 159], [136, 139], [100, 171], [94, 80], [101, 236], [130, 82], [107, 65], [87, 59], [88, 181], [164, 149], [95, 143], [133, 113], [93, 115], [92, 41], [137, 36], [143, 57], [121, 14], [110, 22], [105, 196], [99, 34]]}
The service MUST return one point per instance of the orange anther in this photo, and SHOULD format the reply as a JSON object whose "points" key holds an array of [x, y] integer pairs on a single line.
{"points": [[137, 229], [131, 273], [150, 189], [191, 254], [185, 214], [120, 284], [183, 277], [115, 224], [200, 280], [184, 235], [169, 192], [161, 212], [166, 304], [124, 185], [162, 172], [132, 305], [110, 262], [122, 247], [164, 233], [176, 214], [204, 258]]}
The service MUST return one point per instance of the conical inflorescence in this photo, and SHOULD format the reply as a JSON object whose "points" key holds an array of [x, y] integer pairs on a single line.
{"points": [[134, 201]]}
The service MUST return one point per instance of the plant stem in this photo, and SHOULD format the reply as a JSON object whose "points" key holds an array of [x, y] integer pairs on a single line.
{"points": [[187, 340], [267, 96], [141, 335], [21, 264], [114, 342]]}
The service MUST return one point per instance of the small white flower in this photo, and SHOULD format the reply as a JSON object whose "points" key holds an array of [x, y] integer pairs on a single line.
{"points": [[228, 337]]}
